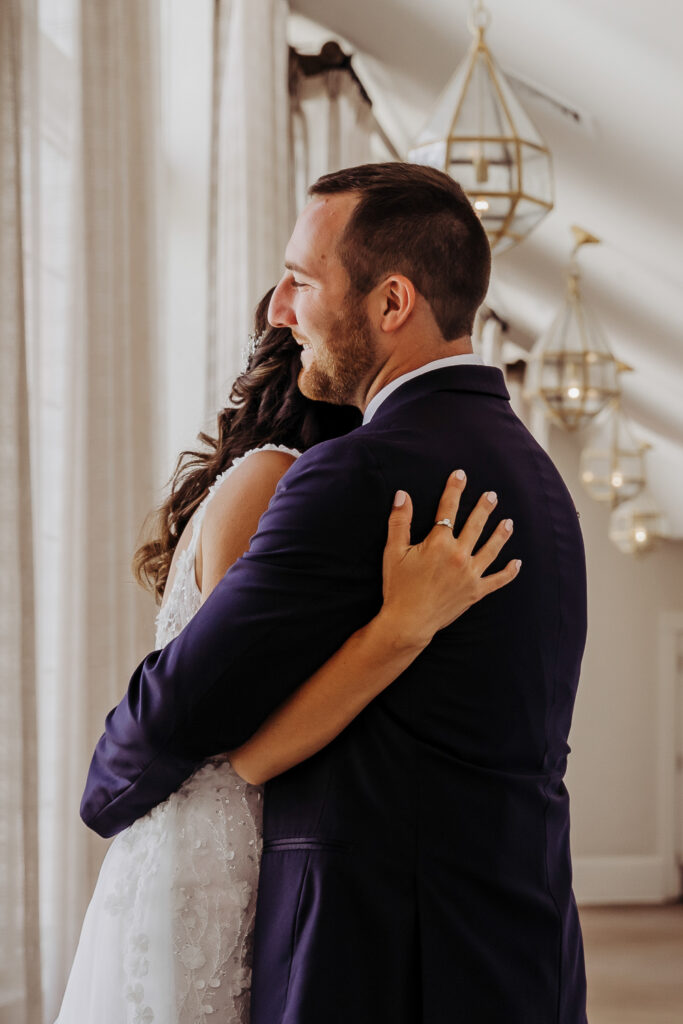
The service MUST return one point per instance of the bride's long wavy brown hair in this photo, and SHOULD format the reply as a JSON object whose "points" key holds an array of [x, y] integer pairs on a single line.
{"points": [[266, 407]]}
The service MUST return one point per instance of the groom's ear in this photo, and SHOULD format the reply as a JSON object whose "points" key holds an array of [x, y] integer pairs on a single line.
{"points": [[396, 299]]}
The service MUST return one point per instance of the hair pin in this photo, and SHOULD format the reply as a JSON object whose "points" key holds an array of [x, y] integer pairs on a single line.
{"points": [[251, 345]]}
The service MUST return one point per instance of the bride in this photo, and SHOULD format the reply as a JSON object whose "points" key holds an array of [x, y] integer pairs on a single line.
{"points": [[167, 935]]}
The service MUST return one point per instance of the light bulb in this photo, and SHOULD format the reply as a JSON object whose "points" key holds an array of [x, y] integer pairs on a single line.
{"points": [[588, 476], [617, 480], [641, 535], [481, 169], [481, 204], [573, 392]]}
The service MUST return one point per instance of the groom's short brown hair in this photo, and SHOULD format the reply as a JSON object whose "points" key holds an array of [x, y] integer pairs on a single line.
{"points": [[416, 221]]}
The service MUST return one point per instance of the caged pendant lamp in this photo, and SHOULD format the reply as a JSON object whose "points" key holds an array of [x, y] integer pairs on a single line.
{"points": [[571, 370], [481, 135], [612, 464], [637, 525]]}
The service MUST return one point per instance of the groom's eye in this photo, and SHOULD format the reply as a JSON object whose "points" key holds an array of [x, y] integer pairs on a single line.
{"points": [[297, 284]]}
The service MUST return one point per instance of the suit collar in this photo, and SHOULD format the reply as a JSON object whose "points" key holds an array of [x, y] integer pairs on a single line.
{"points": [[485, 380], [461, 359]]}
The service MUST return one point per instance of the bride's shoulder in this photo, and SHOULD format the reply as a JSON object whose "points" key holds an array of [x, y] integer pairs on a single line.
{"points": [[251, 479], [237, 501], [264, 458]]}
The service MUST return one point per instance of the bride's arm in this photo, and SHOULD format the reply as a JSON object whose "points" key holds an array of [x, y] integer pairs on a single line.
{"points": [[426, 587]]}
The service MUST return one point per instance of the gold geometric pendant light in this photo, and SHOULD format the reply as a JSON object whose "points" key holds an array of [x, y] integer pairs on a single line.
{"points": [[481, 135], [571, 369], [637, 525], [612, 466]]}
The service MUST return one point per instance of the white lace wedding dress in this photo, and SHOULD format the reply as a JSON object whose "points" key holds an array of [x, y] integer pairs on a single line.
{"points": [[167, 935]]}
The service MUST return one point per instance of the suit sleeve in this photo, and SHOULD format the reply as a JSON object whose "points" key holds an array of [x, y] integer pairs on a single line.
{"points": [[312, 576]]}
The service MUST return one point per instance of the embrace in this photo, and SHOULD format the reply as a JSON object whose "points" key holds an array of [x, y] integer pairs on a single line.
{"points": [[338, 781]]}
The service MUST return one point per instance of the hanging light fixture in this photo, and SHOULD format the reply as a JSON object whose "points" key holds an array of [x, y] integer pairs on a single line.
{"points": [[612, 466], [637, 525], [481, 136], [571, 370]]}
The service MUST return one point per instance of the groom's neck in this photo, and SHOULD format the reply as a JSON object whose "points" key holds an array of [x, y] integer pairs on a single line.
{"points": [[398, 363]]}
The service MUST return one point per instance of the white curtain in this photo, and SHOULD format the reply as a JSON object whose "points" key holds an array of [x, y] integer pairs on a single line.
{"points": [[332, 126], [79, 238], [109, 426], [251, 211], [20, 987]]}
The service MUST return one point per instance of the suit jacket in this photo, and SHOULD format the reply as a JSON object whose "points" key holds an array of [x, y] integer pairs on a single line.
{"points": [[418, 868]]}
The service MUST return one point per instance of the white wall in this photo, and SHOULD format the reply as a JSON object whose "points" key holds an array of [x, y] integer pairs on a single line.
{"points": [[622, 803]]}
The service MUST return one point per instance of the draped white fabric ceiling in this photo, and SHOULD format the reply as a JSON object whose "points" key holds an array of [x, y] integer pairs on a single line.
{"points": [[617, 170]]}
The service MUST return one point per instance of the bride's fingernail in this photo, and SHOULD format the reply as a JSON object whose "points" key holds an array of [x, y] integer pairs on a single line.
{"points": [[399, 499], [492, 497], [460, 474], [508, 525]]}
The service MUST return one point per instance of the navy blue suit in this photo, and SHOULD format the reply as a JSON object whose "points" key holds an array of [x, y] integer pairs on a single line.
{"points": [[416, 870]]}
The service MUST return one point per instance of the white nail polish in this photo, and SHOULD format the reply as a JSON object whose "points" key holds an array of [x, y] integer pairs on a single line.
{"points": [[492, 497], [459, 474], [508, 525]]}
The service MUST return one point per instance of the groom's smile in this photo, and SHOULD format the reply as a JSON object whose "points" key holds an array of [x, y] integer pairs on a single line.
{"points": [[306, 349]]}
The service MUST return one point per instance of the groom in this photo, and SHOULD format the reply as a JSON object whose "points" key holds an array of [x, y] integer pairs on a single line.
{"points": [[416, 870]]}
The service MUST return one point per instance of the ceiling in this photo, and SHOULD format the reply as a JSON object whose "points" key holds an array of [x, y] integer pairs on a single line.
{"points": [[618, 169]]}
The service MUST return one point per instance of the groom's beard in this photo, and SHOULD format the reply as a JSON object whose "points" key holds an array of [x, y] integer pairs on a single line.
{"points": [[337, 371]]}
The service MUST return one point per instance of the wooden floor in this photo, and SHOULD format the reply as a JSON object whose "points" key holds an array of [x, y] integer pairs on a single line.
{"points": [[634, 963]]}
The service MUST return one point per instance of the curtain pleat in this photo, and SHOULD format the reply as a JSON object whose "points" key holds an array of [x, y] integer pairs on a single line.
{"points": [[106, 621], [332, 126], [250, 199], [20, 983]]}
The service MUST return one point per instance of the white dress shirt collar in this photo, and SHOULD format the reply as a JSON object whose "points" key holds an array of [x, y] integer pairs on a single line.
{"points": [[436, 364]]}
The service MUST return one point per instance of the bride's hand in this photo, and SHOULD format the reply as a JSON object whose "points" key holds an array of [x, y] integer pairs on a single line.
{"points": [[429, 585]]}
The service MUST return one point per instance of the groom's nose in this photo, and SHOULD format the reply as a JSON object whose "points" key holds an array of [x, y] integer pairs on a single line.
{"points": [[280, 310]]}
